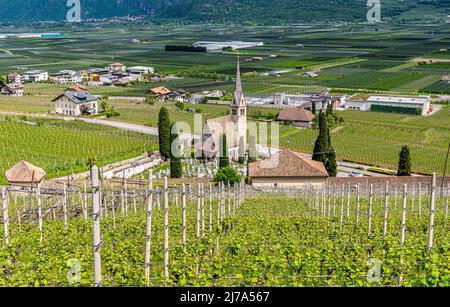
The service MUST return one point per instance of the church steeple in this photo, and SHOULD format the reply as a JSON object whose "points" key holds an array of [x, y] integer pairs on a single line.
{"points": [[238, 105]]}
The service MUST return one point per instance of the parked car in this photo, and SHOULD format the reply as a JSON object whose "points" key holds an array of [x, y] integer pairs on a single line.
{"points": [[355, 174]]}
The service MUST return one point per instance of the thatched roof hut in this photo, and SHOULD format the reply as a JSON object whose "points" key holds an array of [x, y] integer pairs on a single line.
{"points": [[24, 174]]}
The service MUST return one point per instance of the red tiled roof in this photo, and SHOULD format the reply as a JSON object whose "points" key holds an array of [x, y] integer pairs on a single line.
{"points": [[295, 114], [287, 163]]}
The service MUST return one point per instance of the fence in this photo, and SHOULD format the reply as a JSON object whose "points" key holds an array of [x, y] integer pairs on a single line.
{"points": [[207, 211]]}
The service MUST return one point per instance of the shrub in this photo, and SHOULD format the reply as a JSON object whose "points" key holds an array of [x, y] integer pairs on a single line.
{"points": [[227, 174]]}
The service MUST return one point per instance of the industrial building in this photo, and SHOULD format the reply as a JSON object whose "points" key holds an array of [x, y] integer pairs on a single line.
{"points": [[418, 105]]}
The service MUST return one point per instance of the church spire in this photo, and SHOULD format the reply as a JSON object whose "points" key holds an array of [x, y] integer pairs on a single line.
{"points": [[238, 97]]}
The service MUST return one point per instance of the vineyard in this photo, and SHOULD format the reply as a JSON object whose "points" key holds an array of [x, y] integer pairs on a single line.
{"points": [[171, 235], [62, 147]]}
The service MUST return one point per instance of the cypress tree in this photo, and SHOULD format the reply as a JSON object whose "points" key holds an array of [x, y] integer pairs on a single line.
{"points": [[331, 164], [241, 150], [175, 159], [252, 153], [329, 109], [404, 164], [321, 145], [224, 161], [314, 108], [164, 133]]}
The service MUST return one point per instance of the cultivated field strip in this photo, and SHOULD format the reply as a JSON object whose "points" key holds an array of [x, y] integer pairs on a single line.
{"points": [[222, 235]]}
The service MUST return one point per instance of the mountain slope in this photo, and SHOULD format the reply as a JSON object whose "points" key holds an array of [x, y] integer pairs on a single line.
{"points": [[285, 11]]}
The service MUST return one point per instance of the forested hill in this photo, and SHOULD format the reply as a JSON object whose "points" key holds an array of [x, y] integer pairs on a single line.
{"points": [[266, 11]]}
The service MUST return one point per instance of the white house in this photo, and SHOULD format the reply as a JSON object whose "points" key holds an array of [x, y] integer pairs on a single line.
{"points": [[66, 77], [12, 89], [116, 67], [14, 78], [36, 76], [140, 70], [76, 103], [202, 96]]}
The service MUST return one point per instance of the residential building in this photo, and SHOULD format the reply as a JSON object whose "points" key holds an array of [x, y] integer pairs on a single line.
{"points": [[76, 101], [66, 77], [116, 67], [202, 97], [234, 126], [287, 169], [140, 70], [321, 99], [12, 89], [415, 105], [35, 76], [297, 116], [14, 78], [161, 93]]}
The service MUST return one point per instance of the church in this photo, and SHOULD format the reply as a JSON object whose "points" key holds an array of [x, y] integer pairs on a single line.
{"points": [[233, 126]]}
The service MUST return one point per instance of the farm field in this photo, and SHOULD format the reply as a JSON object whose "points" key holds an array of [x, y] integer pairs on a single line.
{"points": [[377, 138], [63, 148], [303, 238], [380, 57]]}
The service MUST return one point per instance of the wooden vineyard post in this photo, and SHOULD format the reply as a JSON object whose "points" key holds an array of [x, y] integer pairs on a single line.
{"points": [[5, 215], [329, 194], [210, 208], [432, 208], [202, 191], [229, 197], [403, 227], [348, 201], [122, 205], [148, 233], [134, 201], [403, 231], [39, 205], [126, 199], [234, 198], [96, 226], [197, 228], [219, 202], [334, 199], [166, 230], [85, 196], [386, 209], [65, 197], [183, 218], [395, 199], [323, 201], [369, 222], [357, 206], [413, 199], [219, 211], [113, 207], [420, 201]]}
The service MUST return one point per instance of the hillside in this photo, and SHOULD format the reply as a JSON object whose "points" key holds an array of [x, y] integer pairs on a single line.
{"points": [[266, 11]]}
